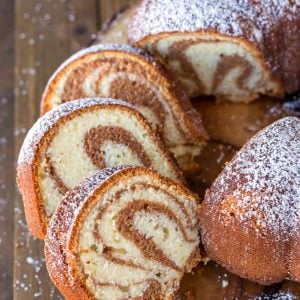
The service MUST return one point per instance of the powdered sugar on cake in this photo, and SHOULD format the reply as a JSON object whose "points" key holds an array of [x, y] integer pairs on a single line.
{"points": [[261, 186], [229, 17], [49, 120]]}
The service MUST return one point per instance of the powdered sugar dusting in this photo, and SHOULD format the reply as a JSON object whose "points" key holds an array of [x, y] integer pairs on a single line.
{"points": [[230, 17], [262, 183], [50, 119]]}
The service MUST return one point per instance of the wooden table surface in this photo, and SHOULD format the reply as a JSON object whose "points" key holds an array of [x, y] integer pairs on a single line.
{"points": [[35, 37]]}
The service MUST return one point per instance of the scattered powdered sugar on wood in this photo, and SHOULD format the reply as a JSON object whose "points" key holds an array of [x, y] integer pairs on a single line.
{"points": [[262, 183], [50, 119]]}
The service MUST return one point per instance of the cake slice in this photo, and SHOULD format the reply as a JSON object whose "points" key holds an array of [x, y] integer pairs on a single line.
{"points": [[75, 140], [231, 49], [250, 217], [123, 233], [126, 73]]}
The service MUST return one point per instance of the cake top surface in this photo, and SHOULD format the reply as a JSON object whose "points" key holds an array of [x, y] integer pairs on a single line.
{"points": [[262, 182], [248, 18], [47, 121]]}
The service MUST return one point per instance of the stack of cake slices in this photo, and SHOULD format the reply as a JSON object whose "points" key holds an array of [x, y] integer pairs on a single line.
{"points": [[103, 170]]}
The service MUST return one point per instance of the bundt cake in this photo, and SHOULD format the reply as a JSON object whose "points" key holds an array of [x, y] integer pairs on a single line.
{"points": [[76, 139], [123, 233], [126, 73], [250, 217], [234, 50]]}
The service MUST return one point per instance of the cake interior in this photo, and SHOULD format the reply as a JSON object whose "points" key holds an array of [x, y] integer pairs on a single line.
{"points": [[126, 239], [215, 65], [91, 141], [132, 79]]}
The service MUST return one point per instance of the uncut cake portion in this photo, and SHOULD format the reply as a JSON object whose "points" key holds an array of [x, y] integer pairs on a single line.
{"points": [[123, 233], [250, 217], [234, 50], [127, 73], [75, 140]]}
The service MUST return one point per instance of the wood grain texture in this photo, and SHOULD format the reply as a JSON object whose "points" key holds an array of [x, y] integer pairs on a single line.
{"points": [[7, 174], [46, 33]]}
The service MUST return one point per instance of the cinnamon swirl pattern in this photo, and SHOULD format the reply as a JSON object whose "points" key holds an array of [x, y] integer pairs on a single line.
{"points": [[230, 49], [229, 72], [77, 139], [126, 73], [114, 236]]}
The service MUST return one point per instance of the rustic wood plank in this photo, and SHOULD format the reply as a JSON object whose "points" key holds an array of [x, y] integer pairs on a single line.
{"points": [[7, 187], [46, 33]]}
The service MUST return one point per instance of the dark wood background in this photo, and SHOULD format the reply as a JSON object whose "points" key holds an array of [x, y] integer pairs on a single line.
{"points": [[35, 37]]}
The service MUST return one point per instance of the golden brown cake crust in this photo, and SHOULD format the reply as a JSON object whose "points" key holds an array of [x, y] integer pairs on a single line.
{"points": [[36, 142], [250, 216], [33, 209], [268, 29], [60, 242]]}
